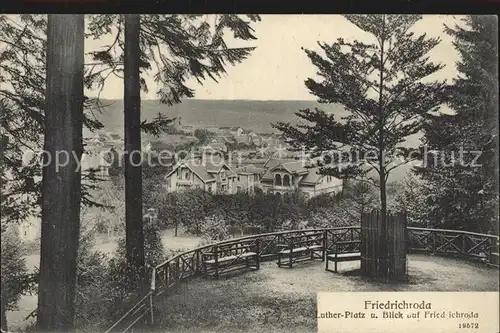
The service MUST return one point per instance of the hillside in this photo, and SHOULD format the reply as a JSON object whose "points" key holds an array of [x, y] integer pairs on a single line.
{"points": [[250, 114]]}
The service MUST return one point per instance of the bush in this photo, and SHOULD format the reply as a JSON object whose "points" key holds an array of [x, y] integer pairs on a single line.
{"points": [[154, 251], [214, 229], [13, 268]]}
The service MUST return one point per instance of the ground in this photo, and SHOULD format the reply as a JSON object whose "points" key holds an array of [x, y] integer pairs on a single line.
{"points": [[284, 300]]}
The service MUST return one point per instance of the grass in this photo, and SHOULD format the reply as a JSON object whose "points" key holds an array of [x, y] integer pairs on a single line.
{"points": [[284, 300]]}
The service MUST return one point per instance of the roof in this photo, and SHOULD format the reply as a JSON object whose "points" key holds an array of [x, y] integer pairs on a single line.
{"points": [[312, 177], [204, 169], [291, 166], [249, 169], [272, 162], [196, 168]]}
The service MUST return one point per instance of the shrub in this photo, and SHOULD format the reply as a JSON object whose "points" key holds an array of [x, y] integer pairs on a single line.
{"points": [[13, 268], [153, 247], [214, 229]]}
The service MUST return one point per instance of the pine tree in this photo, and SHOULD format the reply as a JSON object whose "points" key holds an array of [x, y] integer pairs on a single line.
{"points": [[466, 196], [382, 86], [61, 189]]}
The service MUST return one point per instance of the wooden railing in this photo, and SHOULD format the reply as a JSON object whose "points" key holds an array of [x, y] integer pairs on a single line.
{"points": [[187, 265], [464, 244]]}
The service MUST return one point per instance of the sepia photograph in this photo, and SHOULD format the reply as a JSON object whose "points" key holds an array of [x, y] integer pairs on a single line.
{"points": [[249, 173]]}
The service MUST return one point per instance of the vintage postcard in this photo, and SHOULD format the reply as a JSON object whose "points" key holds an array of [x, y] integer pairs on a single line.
{"points": [[249, 173]]}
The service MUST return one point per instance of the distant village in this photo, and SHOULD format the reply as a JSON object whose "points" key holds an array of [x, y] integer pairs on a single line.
{"points": [[222, 160], [230, 160]]}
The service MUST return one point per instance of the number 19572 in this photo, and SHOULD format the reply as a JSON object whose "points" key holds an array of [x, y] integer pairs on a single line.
{"points": [[468, 325]]}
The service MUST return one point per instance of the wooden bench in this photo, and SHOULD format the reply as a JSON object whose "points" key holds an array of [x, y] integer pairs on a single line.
{"points": [[225, 258], [343, 251], [300, 248]]}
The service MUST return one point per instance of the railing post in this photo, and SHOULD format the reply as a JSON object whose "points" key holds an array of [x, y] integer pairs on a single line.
{"points": [[216, 261], [325, 238], [493, 245], [177, 269], [198, 266], [257, 244], [464, 244], [167, 275], [153, 290], [433, 242]]}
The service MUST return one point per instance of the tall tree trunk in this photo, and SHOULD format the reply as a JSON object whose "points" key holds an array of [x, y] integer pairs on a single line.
{"points": [[133, 169], [381, 161], [4, 317], [61, 191]]}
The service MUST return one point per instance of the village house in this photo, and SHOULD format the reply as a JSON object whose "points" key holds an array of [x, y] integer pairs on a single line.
{"points": [[213, 176], [291, 175], [236, 131], [248, 178]]}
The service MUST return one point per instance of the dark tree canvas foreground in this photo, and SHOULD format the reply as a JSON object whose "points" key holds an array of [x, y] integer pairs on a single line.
{"points": [[155, 168]]}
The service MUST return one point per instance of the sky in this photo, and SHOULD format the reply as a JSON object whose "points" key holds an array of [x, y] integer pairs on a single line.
{"points": [[278, 67]]}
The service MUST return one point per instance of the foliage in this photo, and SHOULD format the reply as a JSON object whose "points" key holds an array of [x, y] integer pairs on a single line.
{"points": [[176, 47], [214, 229], [464, 196], [13, 268], [411, 198], [22, 100], [153, 246], [203, 135], [383, 87], [360, 197], [265, 211], [91, 272]]}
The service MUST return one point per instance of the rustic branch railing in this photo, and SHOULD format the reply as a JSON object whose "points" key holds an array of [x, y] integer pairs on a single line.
{"points": [[186, 265]]}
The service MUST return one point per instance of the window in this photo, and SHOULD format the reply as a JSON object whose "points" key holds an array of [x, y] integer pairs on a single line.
{"points": [[286, 180], [277, 180], [186, 175]]}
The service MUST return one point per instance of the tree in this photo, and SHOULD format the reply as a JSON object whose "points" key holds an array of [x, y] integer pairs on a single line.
{"points": [[203, 135], [61, 189], [134, 237], [383, 86], [465, 196]]}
